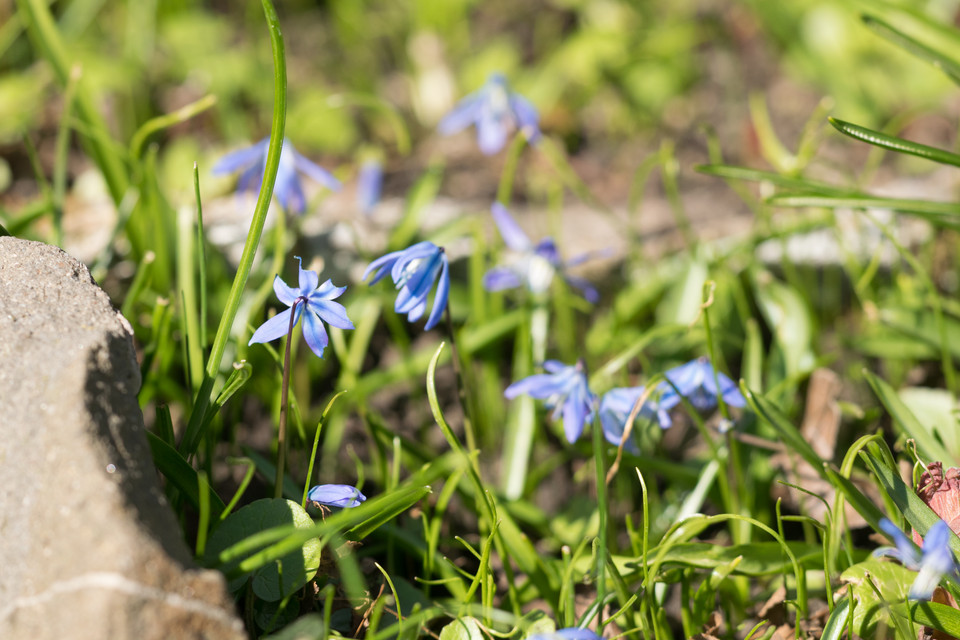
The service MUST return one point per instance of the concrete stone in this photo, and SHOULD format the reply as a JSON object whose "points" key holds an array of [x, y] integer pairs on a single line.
{"points": [[88, 546]]}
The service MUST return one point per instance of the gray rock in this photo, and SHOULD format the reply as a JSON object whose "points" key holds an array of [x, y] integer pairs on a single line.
{"points": [[90, 548]]}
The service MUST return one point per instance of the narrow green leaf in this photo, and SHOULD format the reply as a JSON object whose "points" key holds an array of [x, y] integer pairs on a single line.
{"points": [[948, 65], [928, 445], [944, 214], [179, 472], [893, 143], [731, 172], [917, 513], [837, 622], [791, 436]]}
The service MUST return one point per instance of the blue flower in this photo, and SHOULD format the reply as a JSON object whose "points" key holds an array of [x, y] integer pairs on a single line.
{"points": [[414, 270], [369, 184], [536, 264], [937, 559], [565, 389], [570, 633], [496, 111], [336, 495], [615, 408], [695, 381], [320, 308], [252, 161]]}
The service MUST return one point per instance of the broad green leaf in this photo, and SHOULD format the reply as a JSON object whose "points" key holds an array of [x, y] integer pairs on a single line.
{"points": [[935, 410], [906, 420], [932, 614], [893, 143], [871, 608], [307, 626], [681, 304], [788, 317], [465, 628], [295, 568]]}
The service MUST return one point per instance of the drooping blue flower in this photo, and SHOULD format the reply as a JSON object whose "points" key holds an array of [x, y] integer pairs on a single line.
{"points": [[252, 161], [935, 562], [414, 270], [319, 305], [570, 633], [336, 495], [535, 265], [497, 112], [695, 381], [369, 184], [565, 389], [615, 408]]}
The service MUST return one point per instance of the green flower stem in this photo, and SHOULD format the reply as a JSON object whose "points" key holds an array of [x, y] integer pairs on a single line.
{"points": [[505, 188], [461, 386], [599, 462], [284, 405], [193, 434]]}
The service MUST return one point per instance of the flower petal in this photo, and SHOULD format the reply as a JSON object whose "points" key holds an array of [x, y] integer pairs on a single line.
{"points": [[440, 297], [275, 327], [500, 278], [465, 113], [381, 266], [513, 235], [315, 172], [285, 294], [539, 385], [308, 280], [333, 313], [491, 133], [586, 289], [336, 495], [575, 410], [242, 158], [327, 291], [314, 333], [526, 116]]}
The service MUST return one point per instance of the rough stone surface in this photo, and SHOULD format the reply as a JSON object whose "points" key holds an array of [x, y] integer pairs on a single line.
{"points": [[88, 546]]}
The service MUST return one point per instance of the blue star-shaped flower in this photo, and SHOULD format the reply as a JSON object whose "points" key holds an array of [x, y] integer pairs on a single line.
{"points": [[496, 111], [565, 389], [536, 264], [252, 161], [937, 559], [570, 633], [336, 495], [319, 305], [695, 381], [615, 408], [414, 270]]}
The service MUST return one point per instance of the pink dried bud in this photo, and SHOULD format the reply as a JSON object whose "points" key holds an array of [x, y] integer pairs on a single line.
{"points": [[941, 492]]}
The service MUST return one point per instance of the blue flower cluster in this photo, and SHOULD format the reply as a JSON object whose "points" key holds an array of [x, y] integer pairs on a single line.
{"points": [[935, 561], [566, 387]]}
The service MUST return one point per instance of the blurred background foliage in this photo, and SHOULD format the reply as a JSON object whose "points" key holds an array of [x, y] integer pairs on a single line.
{"points": [[600, 71]]}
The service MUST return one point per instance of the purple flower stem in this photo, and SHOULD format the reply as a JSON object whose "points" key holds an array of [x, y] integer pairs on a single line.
{"points": [[461, 389], [284, 406]]}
